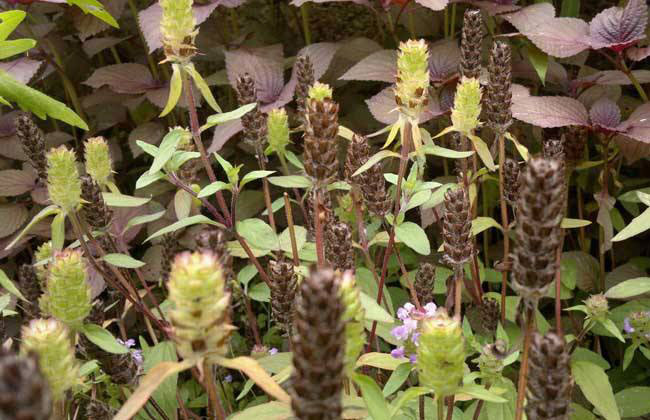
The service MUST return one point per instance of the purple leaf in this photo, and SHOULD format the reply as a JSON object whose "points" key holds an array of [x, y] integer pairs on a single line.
{"points": [[550, 111], [22, 69], [223, 133], [380, 66], [123, 78], [617, 28], [88, 25], [637, 126], [605, 114], [444, 58], [637, 53], [97, 45], [616, 77], [530, 17], [264, 64], [555, 74], [382, 106], [299, 3], [433, 4], [149, 20], [631, 149], [493, 8]]}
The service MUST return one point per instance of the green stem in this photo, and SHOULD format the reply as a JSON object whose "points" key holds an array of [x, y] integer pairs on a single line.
{"points": [[633, 79], [441, 408], [452, 23], [304, 13], [523, 369]]}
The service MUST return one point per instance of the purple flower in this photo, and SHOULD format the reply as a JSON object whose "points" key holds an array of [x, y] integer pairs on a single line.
{"points": [[227, 378], [397, 353], [430, 309], [128, 343], [415, 338], [413, 358], [404, 312], [627, 327], [411, 324], [401, 333], [137, 357], [273, 351]]}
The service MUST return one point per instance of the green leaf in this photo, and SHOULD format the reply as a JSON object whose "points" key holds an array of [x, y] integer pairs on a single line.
{"points": [[574, 223], [435, 150], [639, 224], [374, 159], [9, 286], [479, 392], [10, 21], [260, 292], [166, 149], [397, 378], [484, 223], [523, 150], [258, 234], [58, 231], [148, 385], [103, 339], [373, 397], [15, 47], [628, 356], [268, 411], [96, 9], [379, 360], [285, 239], [165, 394], [291, 181], [46, 212], [629, 288], [123, 261], [253, 175], [38, 103], [208, 190], [570, 8], [394, 129], [539, 60], [224, 117], [609, 325], [406, 396], [414, 237], [594, 383], [147, 179], [147, 218], [418, 199], [188, 221], [175, 90], [203, 86], [373, 311], [121, 200], [634, 401], [483, 152]]}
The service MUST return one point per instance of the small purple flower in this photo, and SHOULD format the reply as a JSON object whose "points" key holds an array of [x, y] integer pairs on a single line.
{"points": [[273, 351], [400, 333], [227, 379], [411, 324], [137, 357], [128, 343], [627, 327], [430, 309], [405, 311], [413, 358], [135, 353], [415, 338], [397, 353]]}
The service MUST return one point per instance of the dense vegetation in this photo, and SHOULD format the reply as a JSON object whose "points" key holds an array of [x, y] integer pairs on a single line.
{"points": [[313, 209]]}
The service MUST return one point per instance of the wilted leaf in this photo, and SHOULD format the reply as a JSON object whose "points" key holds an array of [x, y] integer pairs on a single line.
{"points": [[14, 182], [550, 111], [128, 78], [254, 371], [616, 27]]}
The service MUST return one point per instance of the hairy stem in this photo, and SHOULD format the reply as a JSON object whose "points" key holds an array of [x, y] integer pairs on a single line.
{"points": [[211, 388], [523, 370]]}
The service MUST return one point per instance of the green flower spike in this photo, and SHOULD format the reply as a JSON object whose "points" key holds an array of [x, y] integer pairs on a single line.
{"points": [[98, 160], [63, 184], [43, 252], [412, 87], [597, 307], [441, 354], [467, 106], [178, 29], [50, 341], [199, 313], [320, 91], [67, 296], [353, 317], [277, 128]]}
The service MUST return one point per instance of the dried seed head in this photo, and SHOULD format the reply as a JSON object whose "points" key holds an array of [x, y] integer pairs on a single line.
{"points": [[441, 354], [277, 129], [254, 122], [321, 129], [424, 282], [98, 410], [320, 91], [169, 248], [49, 339], [490, 361], [67, 296], [489, 312], [511, 181], [338, 246], [24, 392], [33, 142], [96, 212], [214, 240], [456, 227], [327, 214], [549, 378], [353, 317], [371, 182], [539, 213], [412, 87], [467, 106], [574, 143], [305, 76], [471, 44], [63, 184], [283, 292], [318, 344], [178, 29], [199, 315], [597, 307], [98, 160], [31, 290], [498, 99]]}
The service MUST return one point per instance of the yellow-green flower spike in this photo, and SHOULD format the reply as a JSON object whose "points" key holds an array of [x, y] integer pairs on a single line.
{"points": [[412, 87], [98, 160], [597, 307], [178, 29], [467, 106], [320, 91], [63, 184], [277, 128], [67, 296], [441, 354], [353, 317], [43, 252], [50, 341], [199, 313]]}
